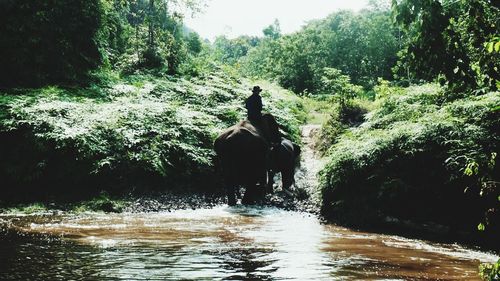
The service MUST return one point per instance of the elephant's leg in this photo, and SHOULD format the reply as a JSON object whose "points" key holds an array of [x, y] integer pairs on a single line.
{"points": [[250, 194], [287, 178], [270, 182], [262, 188], [231, 190], [253, 191], [231, 195]]}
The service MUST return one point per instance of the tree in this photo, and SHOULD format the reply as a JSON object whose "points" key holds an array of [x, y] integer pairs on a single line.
{"points": [[229, 51], [339, 86], [273, 31], [115, 33], [363, 46], [46, 42], [445, 38], [194, 43], [159, 34]]}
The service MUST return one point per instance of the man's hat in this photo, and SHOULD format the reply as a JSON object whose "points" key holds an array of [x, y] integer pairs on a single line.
{"points": [[256, 89]]}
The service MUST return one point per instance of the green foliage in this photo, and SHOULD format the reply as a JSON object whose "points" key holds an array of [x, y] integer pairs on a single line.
{"points": [[32, 208], [102, 203], [483, 176], [164, 43], [384, 89], [490, 272], [446, 38], [339, 121], [54, 42], [114, 36], [194, 43], [363, 46], [408, 160], [44, 42], [142, 131], [493, 45], [229, 51], [331, 130], [481, 227], [273, 31], [318, 110], [339, 86], [424, 23], [198, 65]]}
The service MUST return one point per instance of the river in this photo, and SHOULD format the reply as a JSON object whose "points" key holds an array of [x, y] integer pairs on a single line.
{"points": [[231, 243], [221, 243]]}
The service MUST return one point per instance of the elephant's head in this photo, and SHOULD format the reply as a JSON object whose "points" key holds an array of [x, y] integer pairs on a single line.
{"points": [[271, 128]]}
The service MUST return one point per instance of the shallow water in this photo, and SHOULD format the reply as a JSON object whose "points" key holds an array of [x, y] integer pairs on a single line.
{"points": [[232, 243]]}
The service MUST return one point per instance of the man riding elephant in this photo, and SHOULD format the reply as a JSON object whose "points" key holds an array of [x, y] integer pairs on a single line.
{"points": [[268, 128], [244, 150], [253, 104]]}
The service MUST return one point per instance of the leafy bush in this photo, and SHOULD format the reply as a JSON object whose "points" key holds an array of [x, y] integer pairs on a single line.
{"points": [[138, 132], [448, 40], [101, 203], [26, 208], [46, 42], [408, 159], [490, 272], [351, 115]]}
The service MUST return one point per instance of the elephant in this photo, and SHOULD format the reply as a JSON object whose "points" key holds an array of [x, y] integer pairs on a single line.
{"points": [[242, 153], [284, 158]]}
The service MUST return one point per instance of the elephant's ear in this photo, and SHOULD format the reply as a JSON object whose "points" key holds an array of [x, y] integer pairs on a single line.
{"points": [[296, 149]]}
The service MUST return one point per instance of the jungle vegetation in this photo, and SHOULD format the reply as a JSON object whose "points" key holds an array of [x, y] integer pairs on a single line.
{"points": [[116, 96], [413, 88], [121, 95]]}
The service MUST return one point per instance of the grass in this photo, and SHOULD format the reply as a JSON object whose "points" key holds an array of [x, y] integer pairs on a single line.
{"points": [[100, 203], [103, 203], [31, 208], [318, 110], [489, 271]]}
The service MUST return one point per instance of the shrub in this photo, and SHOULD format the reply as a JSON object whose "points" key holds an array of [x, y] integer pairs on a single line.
{"points": [[340, 119], [46, 42], [140, 132], [490, 272], [407, 160]]}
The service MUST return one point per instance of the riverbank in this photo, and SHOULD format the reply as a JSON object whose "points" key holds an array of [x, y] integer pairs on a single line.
{"points": [[136, 134], [423, 162], [303, 198], [392, 256]]}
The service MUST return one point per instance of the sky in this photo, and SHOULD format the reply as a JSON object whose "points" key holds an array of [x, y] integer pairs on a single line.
{"points": [[248, 17]]}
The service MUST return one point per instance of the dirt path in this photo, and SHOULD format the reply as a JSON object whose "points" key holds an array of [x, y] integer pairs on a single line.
{"points": [[306, 196], [310, 164]]}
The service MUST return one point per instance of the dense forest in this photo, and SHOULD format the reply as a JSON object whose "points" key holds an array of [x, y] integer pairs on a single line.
{"points": [[121, 95], [116, 96], [414, 119]]}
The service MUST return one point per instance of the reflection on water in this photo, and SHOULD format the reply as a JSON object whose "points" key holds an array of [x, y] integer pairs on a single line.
{"points": [[237, 243]]}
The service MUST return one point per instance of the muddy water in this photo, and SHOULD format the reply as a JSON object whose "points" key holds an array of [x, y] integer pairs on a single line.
{"points": [[232, 243], [223, 243]]}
